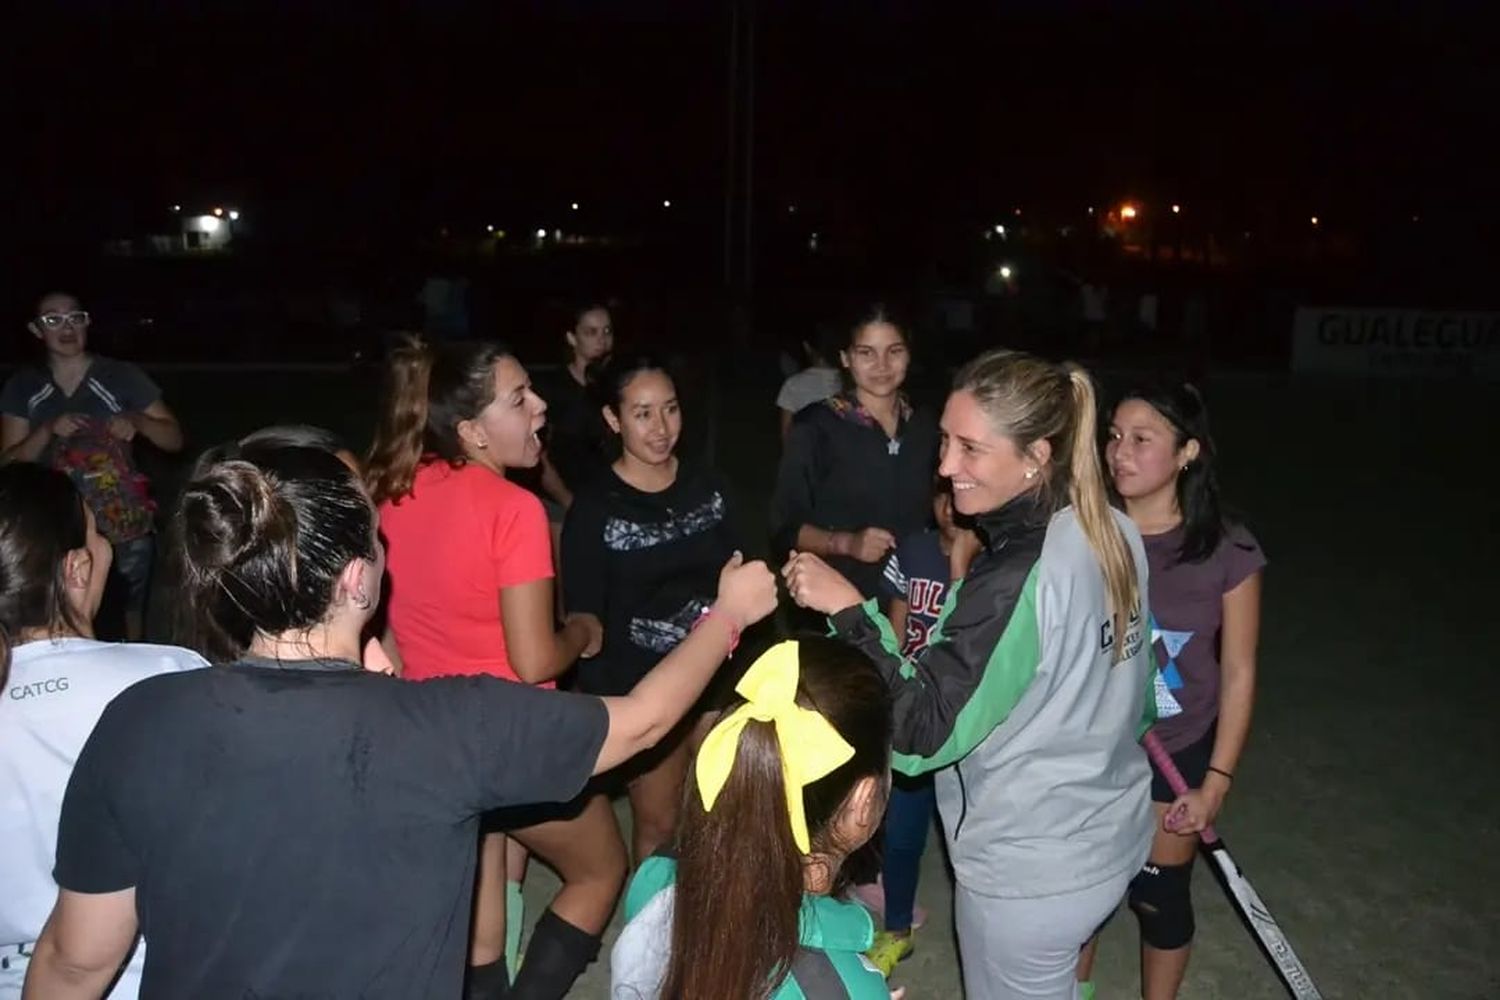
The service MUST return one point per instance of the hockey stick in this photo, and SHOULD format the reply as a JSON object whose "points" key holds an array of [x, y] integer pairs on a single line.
{"points": [[1272, 941]]}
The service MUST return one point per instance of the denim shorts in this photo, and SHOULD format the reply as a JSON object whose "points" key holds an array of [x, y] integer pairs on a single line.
{"points": [[132, 565]]}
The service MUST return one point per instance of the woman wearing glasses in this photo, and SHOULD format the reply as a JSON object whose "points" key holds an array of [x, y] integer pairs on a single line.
{"points": [[80, 413]]}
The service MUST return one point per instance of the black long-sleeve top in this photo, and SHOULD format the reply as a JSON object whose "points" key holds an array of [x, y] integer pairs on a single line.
{"points": [[841, 472]]}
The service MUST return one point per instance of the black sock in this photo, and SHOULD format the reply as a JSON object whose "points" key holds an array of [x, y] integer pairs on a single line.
{"points": [[555, 958], [488, 982]]}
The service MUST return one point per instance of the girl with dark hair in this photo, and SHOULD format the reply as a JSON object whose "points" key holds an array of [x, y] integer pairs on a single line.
{"points": [[279, 436], [1033, 683], [471, 592], [573, 454], [918, 576], [853, 476], [641, 547], [789, 783], [290, 824], [187, 626], [1205, 603], [53, 566], [83, 413]]}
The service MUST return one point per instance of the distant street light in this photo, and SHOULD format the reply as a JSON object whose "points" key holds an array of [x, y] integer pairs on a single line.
{"points": [[176, 208], [219, 212], [489, 229], [1315, 220], [1176, 209], [1128, 211], [541, 234], [234, 215], [574, 206], [999, 230], [1006, 271], [666, 203]]}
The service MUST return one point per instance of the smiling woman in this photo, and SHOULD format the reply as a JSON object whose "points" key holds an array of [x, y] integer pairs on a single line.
{"points": [[642, 547], [1036, 684], [853, 478]]}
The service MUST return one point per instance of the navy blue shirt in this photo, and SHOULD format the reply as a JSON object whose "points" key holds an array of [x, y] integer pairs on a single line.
{"points": [[918, 573]]}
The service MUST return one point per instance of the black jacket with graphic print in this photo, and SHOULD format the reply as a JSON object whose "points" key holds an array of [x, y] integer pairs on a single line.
{"points": [[840, 472], [647, 564]]}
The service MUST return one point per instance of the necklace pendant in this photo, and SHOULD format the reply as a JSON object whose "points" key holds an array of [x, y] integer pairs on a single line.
{"points": [[893, 446]]}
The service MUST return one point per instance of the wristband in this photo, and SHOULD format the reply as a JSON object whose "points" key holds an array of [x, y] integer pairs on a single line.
{"points": [[1220, 771], [734, 630]]}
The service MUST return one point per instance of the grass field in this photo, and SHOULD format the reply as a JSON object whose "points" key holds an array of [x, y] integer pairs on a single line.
{"points": [[1364, 810]]}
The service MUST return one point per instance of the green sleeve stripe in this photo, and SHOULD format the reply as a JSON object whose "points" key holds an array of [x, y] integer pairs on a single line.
{"points": [[888, 638], [655, 874], [1008, 672], [1148, 703]]}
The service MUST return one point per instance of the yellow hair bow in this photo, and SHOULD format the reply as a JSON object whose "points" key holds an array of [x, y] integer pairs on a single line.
{"points": [[810, 747]]}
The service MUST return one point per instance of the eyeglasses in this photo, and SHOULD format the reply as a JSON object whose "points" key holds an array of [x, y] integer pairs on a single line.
{"points": [[55, 321]]}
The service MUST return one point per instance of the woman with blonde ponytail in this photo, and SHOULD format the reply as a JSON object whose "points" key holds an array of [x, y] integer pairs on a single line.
{"points": [[1033, 689]]}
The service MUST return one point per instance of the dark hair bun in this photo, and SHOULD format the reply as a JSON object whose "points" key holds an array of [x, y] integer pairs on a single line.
{"points": [[228, 512]]}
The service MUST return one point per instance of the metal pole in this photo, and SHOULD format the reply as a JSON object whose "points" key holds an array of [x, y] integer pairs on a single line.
{"points": [[731, 159], [749, 250]]}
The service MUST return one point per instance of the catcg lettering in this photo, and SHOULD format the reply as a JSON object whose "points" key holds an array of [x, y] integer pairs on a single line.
{"points": [[52, 685]]}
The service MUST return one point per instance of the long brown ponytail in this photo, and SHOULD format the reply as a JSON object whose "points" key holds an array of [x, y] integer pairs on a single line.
{"points": [[396, 451], [429, 390], [736, 917]]}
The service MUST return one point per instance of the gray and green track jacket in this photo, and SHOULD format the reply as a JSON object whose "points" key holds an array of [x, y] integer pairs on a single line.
{"points": [[1018, 703]]}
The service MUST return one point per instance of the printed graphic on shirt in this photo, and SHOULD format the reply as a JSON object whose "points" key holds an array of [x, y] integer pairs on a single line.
{"points": [[924, 600], [662, 636], [621, 535], [1132, 635], [1168, 677]]}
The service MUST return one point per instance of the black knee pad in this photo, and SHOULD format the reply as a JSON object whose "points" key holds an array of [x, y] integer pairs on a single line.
{"points": [[1161, 896]]}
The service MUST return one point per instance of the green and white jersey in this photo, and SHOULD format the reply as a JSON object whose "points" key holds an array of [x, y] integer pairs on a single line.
{"points": [[830, 965], [1020, 704]]}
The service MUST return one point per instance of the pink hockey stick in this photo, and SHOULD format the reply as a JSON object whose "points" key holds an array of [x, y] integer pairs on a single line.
{"points": [[1273, 942]]}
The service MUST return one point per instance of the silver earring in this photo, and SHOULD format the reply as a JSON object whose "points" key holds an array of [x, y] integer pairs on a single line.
{"points": [[1030, 473], [362, 601], [1184, 468], [482, 445]]}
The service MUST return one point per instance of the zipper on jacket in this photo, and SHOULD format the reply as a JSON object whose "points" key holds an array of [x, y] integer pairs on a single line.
{"points": [[963, 801]]}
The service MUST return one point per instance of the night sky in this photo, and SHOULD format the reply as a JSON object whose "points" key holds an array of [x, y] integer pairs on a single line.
{"points": [[861, 110]]}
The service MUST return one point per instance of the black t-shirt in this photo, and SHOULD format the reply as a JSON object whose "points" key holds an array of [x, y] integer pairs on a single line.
{"points": [[647, 564], [575, 429], [310, 831]]}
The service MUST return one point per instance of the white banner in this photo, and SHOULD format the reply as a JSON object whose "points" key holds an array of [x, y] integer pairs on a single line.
{"points": [[1405, 343]]}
